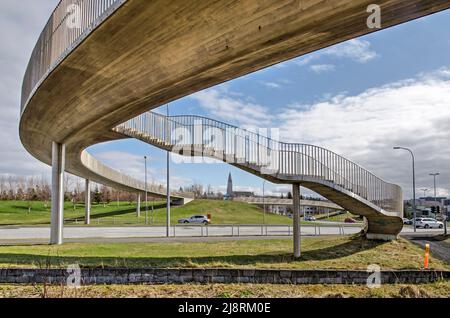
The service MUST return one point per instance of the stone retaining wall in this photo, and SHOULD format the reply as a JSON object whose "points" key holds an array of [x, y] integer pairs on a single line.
{"points": [[91, 276]]}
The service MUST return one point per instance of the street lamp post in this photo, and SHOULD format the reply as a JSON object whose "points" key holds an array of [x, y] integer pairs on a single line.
{"points": [[168, 180], [414, 183], [425, 192], [434, 175], [146, 205], [264, 203]]}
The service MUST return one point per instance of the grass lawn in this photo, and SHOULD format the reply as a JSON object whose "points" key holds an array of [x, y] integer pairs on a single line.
{"points": [[223, 212], [338, 217], [439, 289], [343, 252]]}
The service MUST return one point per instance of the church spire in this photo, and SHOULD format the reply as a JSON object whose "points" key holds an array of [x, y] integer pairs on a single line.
{"points": [[229, 194]]}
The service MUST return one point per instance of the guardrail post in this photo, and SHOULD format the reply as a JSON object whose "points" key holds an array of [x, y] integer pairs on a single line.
{"points": [[239, 230]]}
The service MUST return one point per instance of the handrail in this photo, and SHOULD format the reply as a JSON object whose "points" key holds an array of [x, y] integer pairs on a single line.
{"points": [[190, 134], [70, 23], [58, 39]]}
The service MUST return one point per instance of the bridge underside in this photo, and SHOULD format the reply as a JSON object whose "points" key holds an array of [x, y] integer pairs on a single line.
{"points": [[149, 53]]}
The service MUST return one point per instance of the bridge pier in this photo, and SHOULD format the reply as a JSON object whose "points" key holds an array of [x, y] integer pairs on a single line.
{"points": [[138, 205], [87, 202], [57, 217], [296, 219]]}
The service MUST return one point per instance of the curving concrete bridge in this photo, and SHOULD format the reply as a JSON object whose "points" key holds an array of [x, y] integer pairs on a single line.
{"points": [[99, 63], [334, 177]]}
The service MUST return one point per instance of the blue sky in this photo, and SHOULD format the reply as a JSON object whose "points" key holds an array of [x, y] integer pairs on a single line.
{"points": [[390, 56], [359, 98]]}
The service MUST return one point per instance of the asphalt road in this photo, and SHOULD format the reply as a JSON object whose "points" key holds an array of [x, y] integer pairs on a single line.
{"points": [[42, 234], [438, 247], [27, 233]]}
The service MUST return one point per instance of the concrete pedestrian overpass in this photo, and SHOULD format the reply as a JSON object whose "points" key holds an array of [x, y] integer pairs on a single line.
{"points": [[99, 63]]}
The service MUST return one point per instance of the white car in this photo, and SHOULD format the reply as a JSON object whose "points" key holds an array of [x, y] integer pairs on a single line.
{"points": [[199, 219], [429, 223]]}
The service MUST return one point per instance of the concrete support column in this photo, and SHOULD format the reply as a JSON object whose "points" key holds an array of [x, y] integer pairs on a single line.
{"points": [[138, 205], [87, 202], [57, 218], [296, 219]]}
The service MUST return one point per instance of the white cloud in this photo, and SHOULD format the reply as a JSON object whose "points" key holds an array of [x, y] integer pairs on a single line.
{"points": [[229, 108], [129, 164], [322, 68], [412, 113], [21, 22], [306, 59], [276, 84], [271, 84], [357, 50]]}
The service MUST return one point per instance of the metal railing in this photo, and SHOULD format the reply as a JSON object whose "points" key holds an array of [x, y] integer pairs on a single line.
{"points": [[195, 135], [69, 24], [116, 176]]}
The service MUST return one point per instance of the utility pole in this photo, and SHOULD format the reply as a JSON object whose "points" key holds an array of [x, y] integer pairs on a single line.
{"points": [[296, 219], [168, 179], [146, 205], [425, 192], [264, 203], [434, 175], [414, 182]]}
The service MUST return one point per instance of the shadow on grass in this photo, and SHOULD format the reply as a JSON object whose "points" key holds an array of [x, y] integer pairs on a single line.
{"points": [[355, 245]]}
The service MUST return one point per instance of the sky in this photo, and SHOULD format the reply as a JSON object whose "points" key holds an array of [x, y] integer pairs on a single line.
{"points": [[359, 98]]}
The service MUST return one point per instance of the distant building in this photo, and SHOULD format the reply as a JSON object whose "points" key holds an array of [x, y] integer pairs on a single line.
{"points": [[233, 194], [229, 194], [243, 194]]}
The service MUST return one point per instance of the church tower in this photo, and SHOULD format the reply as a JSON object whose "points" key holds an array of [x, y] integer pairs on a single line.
{"points": [[229, 194]]}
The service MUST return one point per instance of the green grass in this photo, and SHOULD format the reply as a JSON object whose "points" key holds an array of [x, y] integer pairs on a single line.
{"points": [[438, 289], [223, 212], [343, 252], [337, 217]]}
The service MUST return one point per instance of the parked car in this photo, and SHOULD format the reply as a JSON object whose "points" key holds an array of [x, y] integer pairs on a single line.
{"points": [[407, 221], [349, 220], [310, 218], [199, 219], [429, 223]]}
